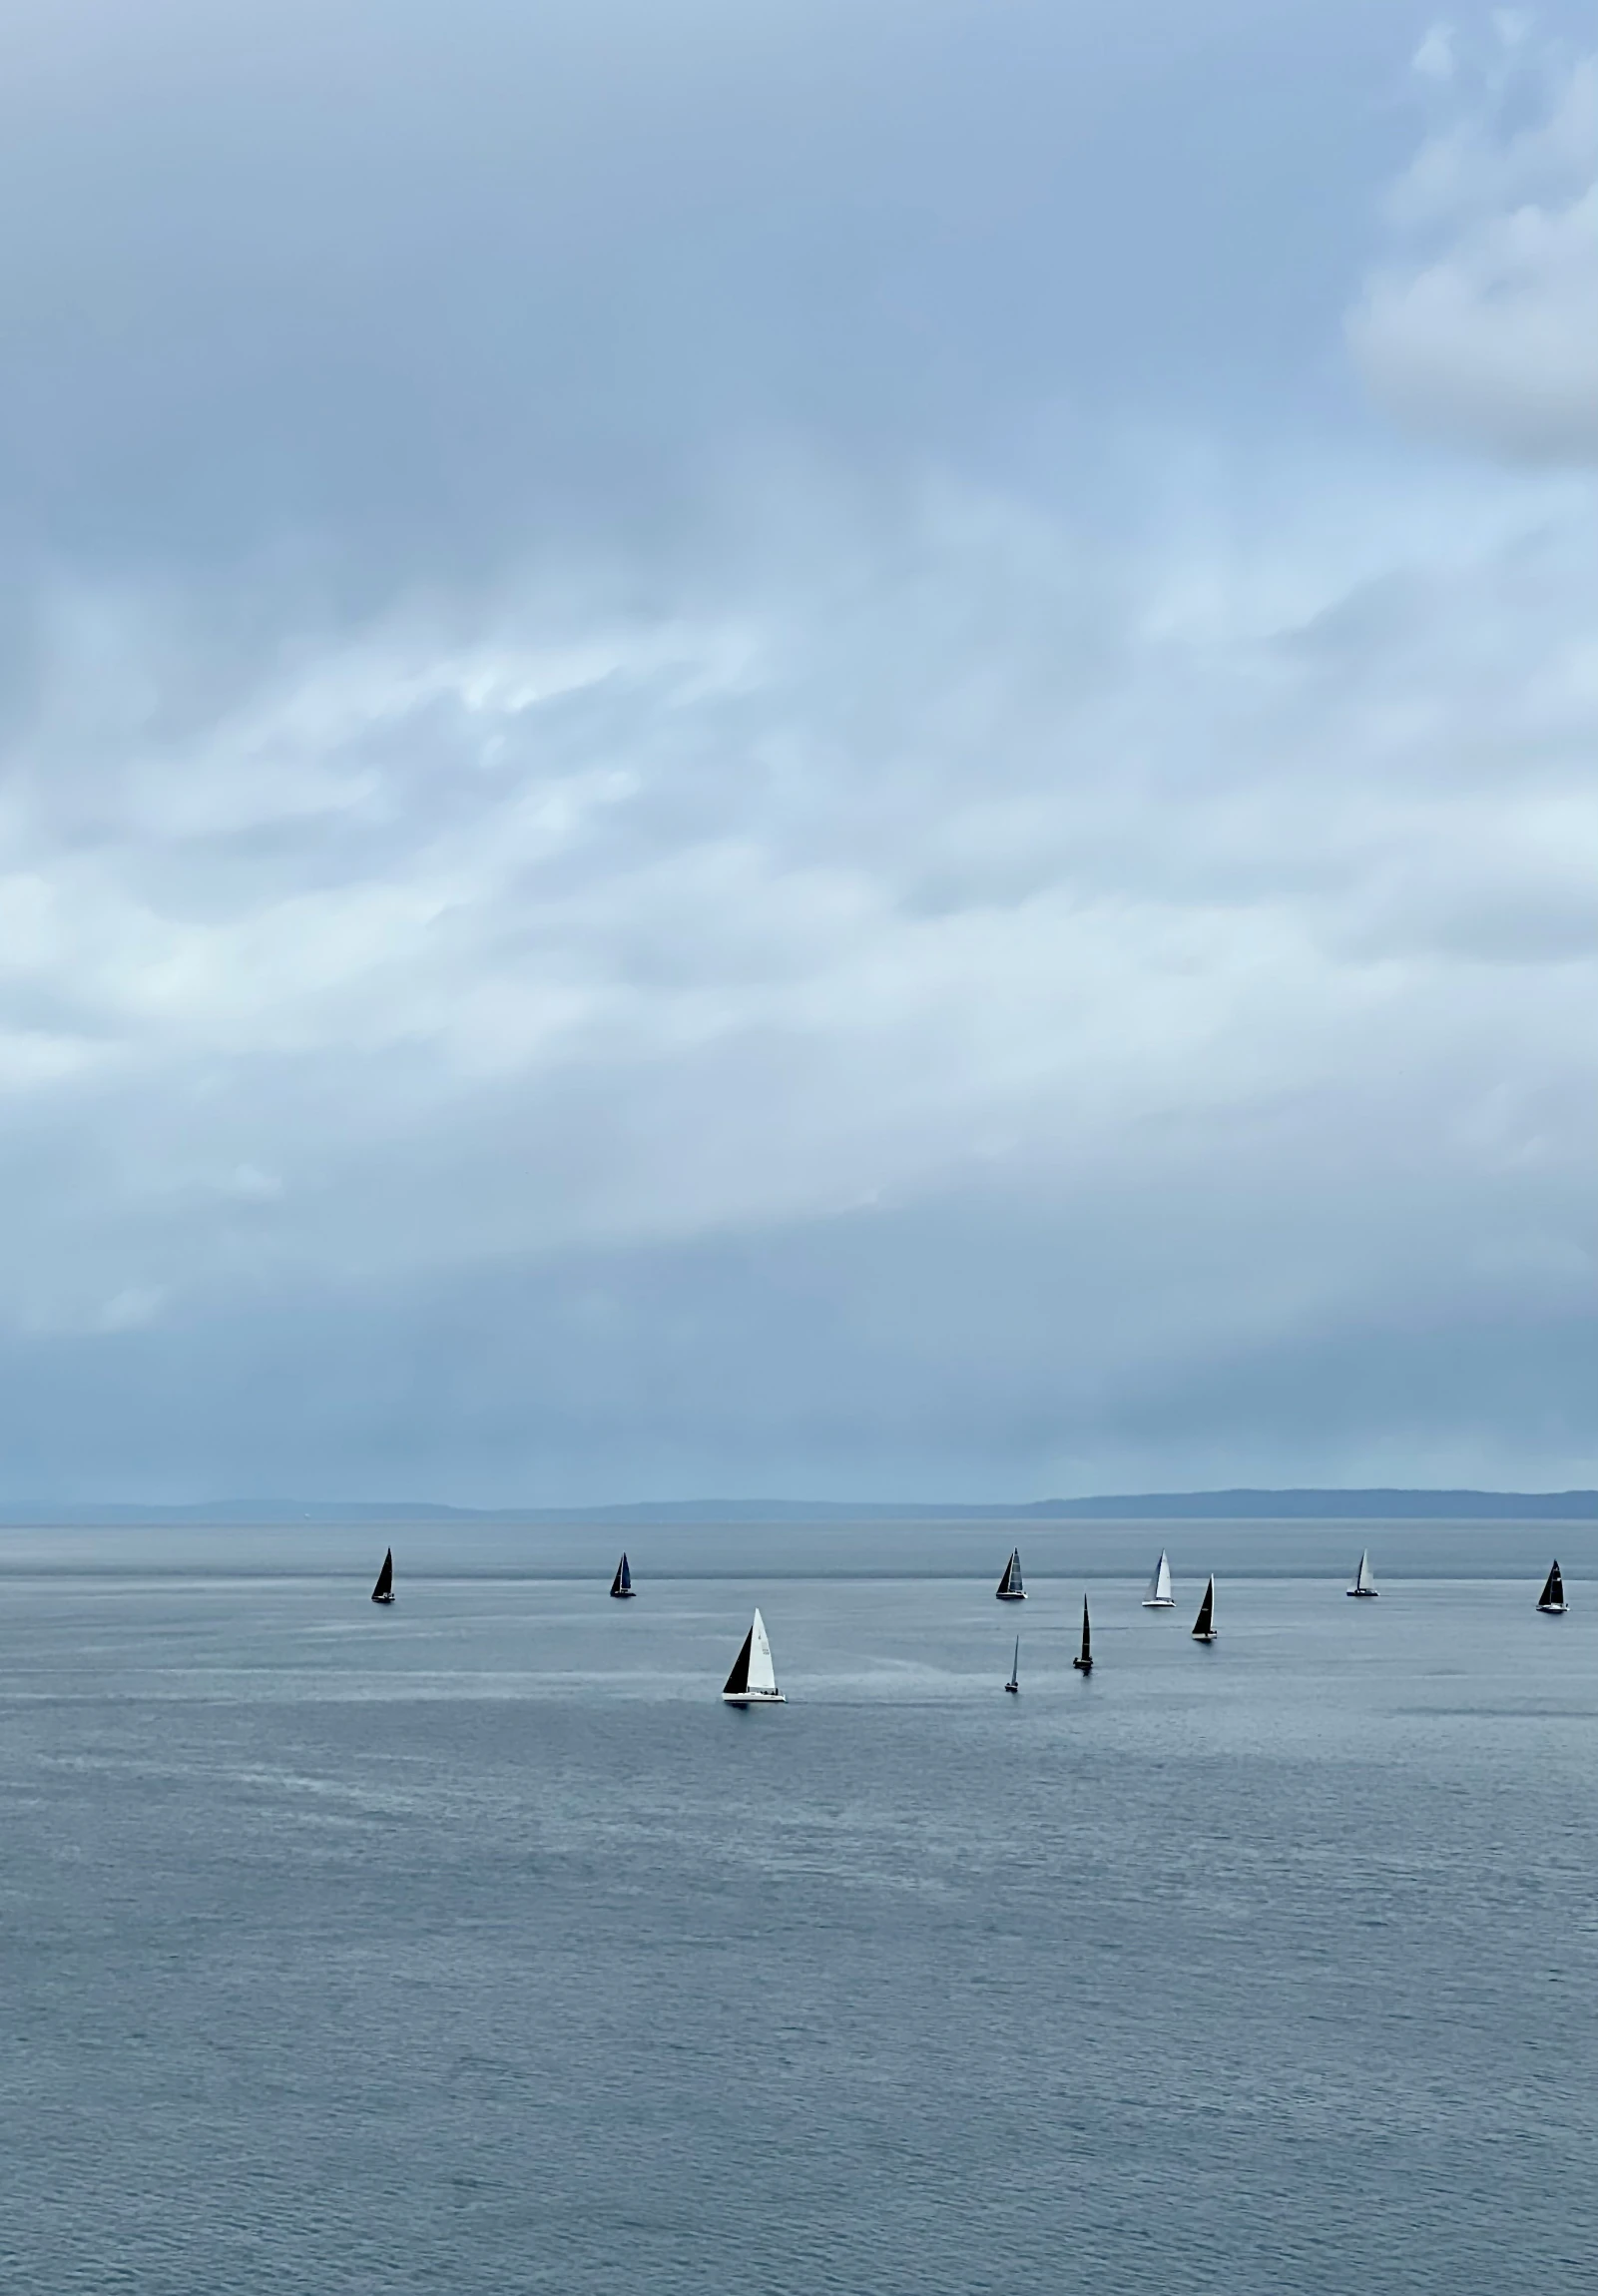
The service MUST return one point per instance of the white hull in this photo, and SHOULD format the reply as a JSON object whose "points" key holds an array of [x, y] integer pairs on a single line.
{"points": [[1210, 1637], [753, 1698], [1553, 1609], [1158, 1602]]}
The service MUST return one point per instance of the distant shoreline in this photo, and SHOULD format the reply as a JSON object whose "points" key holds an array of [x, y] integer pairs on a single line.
{"points": [[1244, 1505]]}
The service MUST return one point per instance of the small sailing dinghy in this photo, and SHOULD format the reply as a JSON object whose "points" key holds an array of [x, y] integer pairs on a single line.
{"points": [[383, 1591], [1364, 1582], [1552, 1598], [1009, 1588], [752, 1681], [621, 1586], [1083, 1662], [1159, 1596], [1014, 1685], [1204, 1629]]}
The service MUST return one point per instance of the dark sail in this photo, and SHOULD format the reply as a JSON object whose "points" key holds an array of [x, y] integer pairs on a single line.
{"points": [[383, 1591], [622, 1584], [738, 1680], [1203, 1624], [1087, 1635], [1014, 1682], [1552, 1596], [1009, 1588]]}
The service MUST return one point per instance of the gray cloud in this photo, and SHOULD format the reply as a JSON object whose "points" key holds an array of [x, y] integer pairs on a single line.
{"points": [[1488, 332], [690, 797]]}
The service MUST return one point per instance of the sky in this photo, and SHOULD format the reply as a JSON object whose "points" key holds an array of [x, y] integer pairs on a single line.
{"points": [[812, 750]]}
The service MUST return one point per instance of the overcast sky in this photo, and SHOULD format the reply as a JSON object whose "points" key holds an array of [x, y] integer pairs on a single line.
{"points": [[842, 748]]}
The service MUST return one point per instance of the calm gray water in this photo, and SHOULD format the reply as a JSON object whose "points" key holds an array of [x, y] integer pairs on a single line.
{"points": [[475, 1946]]}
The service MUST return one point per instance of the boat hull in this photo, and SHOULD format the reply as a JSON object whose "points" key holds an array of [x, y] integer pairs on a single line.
{"points": [[622, 1593], [1361, 1593], [1158, 1602], [1553, 1609], [1083, 1665], [1210, 1637], [382, 1600], [753, 1698], [1014, 1688], [1001, 1598]]}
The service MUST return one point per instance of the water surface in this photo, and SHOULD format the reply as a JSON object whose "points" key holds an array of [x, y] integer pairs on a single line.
{"points": [[474, 1946]]}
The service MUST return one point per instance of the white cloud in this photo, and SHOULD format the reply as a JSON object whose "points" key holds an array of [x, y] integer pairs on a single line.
{"points": [[1486, 329], [130, 1310], [1434, 59]]}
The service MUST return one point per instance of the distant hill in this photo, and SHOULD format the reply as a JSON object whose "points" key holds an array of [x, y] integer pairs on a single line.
{"points": [[1142, 1507]]}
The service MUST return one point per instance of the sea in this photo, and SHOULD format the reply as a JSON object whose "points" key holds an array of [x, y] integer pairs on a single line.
{"points": [[474, 1946]]}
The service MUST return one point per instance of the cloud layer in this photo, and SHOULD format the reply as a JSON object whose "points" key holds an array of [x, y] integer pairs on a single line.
{"points": [[1488, 331], [723, 868]]}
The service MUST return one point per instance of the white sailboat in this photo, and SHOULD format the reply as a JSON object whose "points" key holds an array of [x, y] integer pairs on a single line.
{"points": [[752, 1681], [1364, 1582], [1159, 1596]]}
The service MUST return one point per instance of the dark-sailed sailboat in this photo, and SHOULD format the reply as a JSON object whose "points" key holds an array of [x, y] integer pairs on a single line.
{"points": [[1009, 1588], [1014, 1683], [621, 1586], [1083, 1662], [383, 1591], [1552, 1598], [1204, 1628]]}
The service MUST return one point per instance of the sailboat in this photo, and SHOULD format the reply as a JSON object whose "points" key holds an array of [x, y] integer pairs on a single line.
{"points": [[621, 1586], [1159, 1596], [1009, 1588], [1552, 1598], [1204, 1628], [1083, 1662], [752, 1681], [1014, 1683], [1364, 1582], [383, 1591]]}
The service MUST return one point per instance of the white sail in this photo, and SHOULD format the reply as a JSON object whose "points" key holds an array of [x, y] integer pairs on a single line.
{"points": [[1159, 1596], [762, 1673]]}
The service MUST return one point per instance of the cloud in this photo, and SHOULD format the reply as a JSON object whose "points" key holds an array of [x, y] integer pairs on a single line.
{"points": [[1487, 332], [1435, 58], [130, 1310], [721, 771]]}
